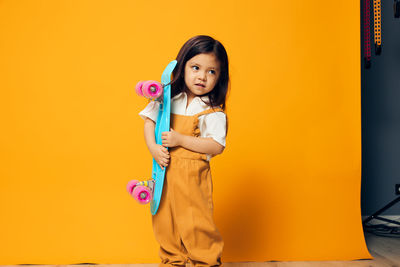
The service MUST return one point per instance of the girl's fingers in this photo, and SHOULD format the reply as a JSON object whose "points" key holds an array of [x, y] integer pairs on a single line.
{"points": [[162, 164]]}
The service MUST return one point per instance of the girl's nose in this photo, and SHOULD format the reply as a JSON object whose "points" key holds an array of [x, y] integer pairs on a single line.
{"points": [[202, 76]]}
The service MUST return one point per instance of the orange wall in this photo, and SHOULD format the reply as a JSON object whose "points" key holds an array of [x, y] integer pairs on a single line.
{"points": [[287, 186]]}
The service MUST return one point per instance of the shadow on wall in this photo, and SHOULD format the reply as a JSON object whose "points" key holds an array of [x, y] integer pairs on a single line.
{"points": [[245, 219]]}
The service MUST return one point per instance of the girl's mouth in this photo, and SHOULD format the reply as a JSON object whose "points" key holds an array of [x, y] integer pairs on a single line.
{"points": [[201, 85]]}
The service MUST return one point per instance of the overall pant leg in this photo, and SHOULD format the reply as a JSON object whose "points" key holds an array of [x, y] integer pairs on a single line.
{"points": [[194, 213], [172, 252]]}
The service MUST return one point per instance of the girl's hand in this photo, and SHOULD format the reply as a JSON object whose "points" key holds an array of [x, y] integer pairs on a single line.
{"points": [[161, 155], [171, 139]]}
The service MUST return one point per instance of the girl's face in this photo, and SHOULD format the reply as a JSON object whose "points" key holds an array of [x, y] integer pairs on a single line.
{"points": [[202, 73]]}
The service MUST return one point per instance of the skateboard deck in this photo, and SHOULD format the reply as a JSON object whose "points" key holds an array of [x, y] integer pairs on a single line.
{"points": [[162, 125]]}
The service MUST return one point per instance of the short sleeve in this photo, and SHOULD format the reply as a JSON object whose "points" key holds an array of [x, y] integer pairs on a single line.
{"points": [[213, 125], [150, 111]]}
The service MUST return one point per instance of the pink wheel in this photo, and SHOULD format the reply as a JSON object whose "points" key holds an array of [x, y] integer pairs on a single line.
{"points": [[152, 89], [131, 185], [138, 88], [142, 194]]}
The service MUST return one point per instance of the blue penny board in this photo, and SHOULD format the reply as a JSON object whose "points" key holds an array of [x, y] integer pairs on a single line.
{"points": [[162, 125]]}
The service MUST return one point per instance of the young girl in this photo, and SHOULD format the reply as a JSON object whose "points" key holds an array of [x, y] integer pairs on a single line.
{"points": [[184, 225]]}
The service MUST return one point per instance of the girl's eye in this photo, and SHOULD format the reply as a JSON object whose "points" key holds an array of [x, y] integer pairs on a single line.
{"points": [[195, 67], [212, 71]]}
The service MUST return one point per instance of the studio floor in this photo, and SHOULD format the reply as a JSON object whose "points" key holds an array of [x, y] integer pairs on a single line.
{"points": [[385, 250]]}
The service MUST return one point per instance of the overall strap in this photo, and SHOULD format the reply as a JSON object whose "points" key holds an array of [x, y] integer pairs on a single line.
{"points": [[208, 111]]}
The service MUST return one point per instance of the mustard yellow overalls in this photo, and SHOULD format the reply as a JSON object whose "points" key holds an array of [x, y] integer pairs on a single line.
{"points": [[184, 225]]}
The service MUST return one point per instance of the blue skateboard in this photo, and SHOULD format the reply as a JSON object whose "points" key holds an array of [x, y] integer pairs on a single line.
{"points": [[151, 190]]}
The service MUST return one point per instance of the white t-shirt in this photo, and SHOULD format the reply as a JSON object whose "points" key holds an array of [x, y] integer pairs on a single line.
{"points": [[211, 125]]}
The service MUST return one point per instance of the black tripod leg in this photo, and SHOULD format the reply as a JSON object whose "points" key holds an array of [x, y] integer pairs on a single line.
{"points": [[381, 210]]}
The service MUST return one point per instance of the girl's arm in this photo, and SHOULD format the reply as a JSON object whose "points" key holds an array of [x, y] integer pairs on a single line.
{"points": [[197, 144], [149, 136], [159, 153]]}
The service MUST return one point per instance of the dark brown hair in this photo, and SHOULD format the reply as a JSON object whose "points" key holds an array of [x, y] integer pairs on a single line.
{"points": [[198, 45]]}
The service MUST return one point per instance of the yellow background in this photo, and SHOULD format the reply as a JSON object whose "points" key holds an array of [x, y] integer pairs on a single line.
{"points": [[287, 186]]}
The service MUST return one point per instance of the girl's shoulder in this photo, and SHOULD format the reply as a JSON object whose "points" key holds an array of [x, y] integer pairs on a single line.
{"points": [[150, 111], [212, 113]]}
